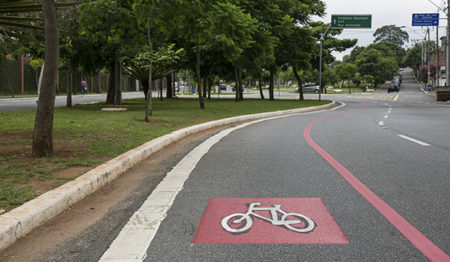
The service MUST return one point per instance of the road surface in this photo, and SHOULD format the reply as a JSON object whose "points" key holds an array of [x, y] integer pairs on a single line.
{"points": [[371, 175]]}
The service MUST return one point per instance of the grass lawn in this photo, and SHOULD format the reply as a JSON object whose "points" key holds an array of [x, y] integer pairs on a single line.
{"points": [[85, 137]]}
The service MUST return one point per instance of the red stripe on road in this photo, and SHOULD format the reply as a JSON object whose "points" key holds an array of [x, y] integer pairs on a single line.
{"points": [[428, 248]]}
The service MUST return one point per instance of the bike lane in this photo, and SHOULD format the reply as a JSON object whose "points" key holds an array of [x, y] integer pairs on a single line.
{"points": [[271, 159]]}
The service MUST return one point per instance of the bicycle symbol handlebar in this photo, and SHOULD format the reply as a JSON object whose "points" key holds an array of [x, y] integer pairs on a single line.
{"points": [[293, 221]]}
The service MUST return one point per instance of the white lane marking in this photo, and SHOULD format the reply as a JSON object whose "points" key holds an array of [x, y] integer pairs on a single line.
{"points": [[386, 116], [414, 140], [136, 236], [133, 241], [381, 123], [396, 98]]}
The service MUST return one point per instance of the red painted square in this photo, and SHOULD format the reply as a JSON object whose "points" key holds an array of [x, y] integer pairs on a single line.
{"points": [[289, 226]]}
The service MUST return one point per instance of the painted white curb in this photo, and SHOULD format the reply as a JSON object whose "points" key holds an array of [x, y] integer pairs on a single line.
{"points": [[22, 220]]}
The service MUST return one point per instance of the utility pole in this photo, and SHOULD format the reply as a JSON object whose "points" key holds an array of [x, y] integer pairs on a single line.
{"points": [[428, 58], [322, 38], [447, 47], [438, 67]]}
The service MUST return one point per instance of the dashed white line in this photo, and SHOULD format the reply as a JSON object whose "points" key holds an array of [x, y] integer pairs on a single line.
{"points": [[386, 116], [381, 123], [414, 140]]}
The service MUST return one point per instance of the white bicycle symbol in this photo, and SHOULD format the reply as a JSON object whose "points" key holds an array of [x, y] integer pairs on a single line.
{"points": [[293, 221]]}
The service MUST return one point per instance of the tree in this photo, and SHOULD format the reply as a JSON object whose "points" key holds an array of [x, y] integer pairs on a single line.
{"points": [[298, 56], [194, 26], [233, 30], [279, 17], [373, 62], [330, 44], [43, 124], [413, 57], [389, 49], [111, 30], [346, 72], [392, 34]]}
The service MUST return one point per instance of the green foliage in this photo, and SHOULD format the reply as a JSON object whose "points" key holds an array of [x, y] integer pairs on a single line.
{"points": [[368, 80], [413, 57], [162, 61], [233, 29], [346, 71], [105, 27], [392, 34], [373, 62], [357, 80]]}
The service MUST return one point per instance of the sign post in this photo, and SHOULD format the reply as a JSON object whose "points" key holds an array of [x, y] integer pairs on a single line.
{"points": [[431, 19], [425, 19], [341, 22], [351, 21]]}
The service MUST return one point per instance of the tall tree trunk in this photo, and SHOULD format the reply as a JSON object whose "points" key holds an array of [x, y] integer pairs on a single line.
{"points": [[210, 83], [111, 90], [199, 78], [99, 81], [160, 84], [204, 86], [260, 85], [43, 124], [91, 83], [69, 83], [21, 75], [272, 83], [241, 89], [236, 83], [149, 96], [299, 84], [169, 83], [117, 79]]}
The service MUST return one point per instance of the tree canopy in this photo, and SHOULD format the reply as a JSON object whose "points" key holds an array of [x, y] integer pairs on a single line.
{"points": [[392, 34]]}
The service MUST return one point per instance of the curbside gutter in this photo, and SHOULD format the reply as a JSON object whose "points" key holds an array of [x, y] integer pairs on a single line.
{"points": [[22, 220]]}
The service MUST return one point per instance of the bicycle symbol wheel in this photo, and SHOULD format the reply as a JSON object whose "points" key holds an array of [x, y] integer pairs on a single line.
{"points": [[297, 222], [237, 223]]}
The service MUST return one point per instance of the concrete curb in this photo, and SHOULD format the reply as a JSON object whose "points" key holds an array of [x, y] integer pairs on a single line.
{"points": [[22, 220]]}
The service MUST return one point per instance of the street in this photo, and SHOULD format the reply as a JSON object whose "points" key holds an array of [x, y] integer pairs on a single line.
{"points": [[372, 175]]}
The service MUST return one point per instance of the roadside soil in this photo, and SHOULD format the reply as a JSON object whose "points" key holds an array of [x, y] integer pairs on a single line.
{"points": [[51, 236]]}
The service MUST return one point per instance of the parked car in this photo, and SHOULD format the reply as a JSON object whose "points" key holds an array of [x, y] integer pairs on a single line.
{"points": [[309, 88], [393, 87]]}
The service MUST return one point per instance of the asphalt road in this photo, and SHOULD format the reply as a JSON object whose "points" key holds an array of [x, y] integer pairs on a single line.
{"points": [[373, 175]]}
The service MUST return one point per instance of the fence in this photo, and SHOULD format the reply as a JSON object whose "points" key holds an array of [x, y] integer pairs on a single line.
{"points": [[10, 80]]}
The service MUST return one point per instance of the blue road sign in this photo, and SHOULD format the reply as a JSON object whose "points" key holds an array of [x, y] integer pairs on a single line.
{"points": [[425, 19]]}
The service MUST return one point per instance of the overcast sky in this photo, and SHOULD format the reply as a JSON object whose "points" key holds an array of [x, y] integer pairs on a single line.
{"points": [[384, 12]]}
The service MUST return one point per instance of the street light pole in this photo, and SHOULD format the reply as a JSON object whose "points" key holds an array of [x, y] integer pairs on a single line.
{"points": [[320, 66], [447, 47], [428, 58], [322, 37]]}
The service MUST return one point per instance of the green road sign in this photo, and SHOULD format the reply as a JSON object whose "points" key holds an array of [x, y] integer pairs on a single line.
{"points": [[351, 21]]}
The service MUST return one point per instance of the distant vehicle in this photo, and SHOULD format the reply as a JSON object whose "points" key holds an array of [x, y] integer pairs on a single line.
{"points": [[400, 69], [397, 80], [223, 87], [393, 87], [309, 88]]}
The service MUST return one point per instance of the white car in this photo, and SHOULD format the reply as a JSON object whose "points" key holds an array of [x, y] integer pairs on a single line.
{"points": [[309, 88]]}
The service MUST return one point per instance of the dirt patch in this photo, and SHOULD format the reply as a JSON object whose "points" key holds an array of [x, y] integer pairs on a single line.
{"points": [[72, 172], [85, 213], [153, 121]]}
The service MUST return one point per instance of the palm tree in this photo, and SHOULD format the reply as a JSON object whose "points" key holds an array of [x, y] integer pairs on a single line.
{"points": [[12, 24]]}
